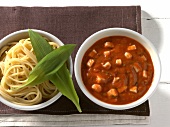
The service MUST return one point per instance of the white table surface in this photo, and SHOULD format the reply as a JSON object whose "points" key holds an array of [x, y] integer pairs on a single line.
{"points": [[155, 26]]}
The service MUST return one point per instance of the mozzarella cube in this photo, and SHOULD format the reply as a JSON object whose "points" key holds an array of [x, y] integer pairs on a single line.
{"points": [[90, 62], [93, 53], [112, 93], [128, 55], [118, 61], [97, 87], [115, 79], [131, 47], [106, 53], [145, 74], [107, 65], [108, 45], [100, 79], [134, 89]]}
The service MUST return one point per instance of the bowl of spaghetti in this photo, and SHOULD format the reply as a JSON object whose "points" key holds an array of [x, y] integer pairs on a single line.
{"points": [[17, 60]]}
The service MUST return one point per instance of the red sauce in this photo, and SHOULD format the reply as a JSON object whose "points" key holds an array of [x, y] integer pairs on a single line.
{"points": [[117, 70]]}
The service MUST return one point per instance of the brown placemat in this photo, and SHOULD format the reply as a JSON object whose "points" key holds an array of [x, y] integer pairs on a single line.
{"points": [[71, 25]]}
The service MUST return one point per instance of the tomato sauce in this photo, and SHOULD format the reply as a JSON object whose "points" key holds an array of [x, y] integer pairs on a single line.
{"points": [[117, 70]]}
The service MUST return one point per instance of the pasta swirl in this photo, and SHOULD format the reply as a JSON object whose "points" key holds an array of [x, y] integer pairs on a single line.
{"points": [[17, 60]]}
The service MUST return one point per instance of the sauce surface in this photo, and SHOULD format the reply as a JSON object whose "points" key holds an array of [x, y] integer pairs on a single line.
{"points": [[117, 70]]}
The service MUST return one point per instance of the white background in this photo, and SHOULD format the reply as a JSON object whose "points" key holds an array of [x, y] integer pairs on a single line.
{"points": [[155, 26]]}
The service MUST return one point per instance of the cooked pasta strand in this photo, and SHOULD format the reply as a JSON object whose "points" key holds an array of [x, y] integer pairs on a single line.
{"points": [[17, 62]]}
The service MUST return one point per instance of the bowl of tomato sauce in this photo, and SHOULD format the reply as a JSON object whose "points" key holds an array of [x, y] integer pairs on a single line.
{"points": [[117, 68]]}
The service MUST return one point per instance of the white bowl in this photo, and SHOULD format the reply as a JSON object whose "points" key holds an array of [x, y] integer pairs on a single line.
{"points": [[22, 34], [118, 32]]}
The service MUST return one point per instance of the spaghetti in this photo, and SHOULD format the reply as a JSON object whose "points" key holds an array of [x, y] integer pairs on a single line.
{"points": [[17, 60]]}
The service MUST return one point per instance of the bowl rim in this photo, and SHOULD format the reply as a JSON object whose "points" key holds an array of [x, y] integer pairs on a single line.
{"points": [[4, 40], [93, 38]]}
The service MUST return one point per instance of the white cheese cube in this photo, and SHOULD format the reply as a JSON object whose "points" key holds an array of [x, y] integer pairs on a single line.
{"points": [[128, 55], [107, 65], [118, 61], [112, 93], [131, 47], [97, 87], [90, 62], [106, 53], [108, 45]]}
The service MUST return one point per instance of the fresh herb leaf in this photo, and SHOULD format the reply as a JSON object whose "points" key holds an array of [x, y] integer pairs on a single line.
{"points": [[41, 46], [49, 65], [62, 79], [65, 85]]}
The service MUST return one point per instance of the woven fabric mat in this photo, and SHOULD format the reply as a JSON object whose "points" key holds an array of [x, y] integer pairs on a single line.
{"points": [[71, 25]]}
